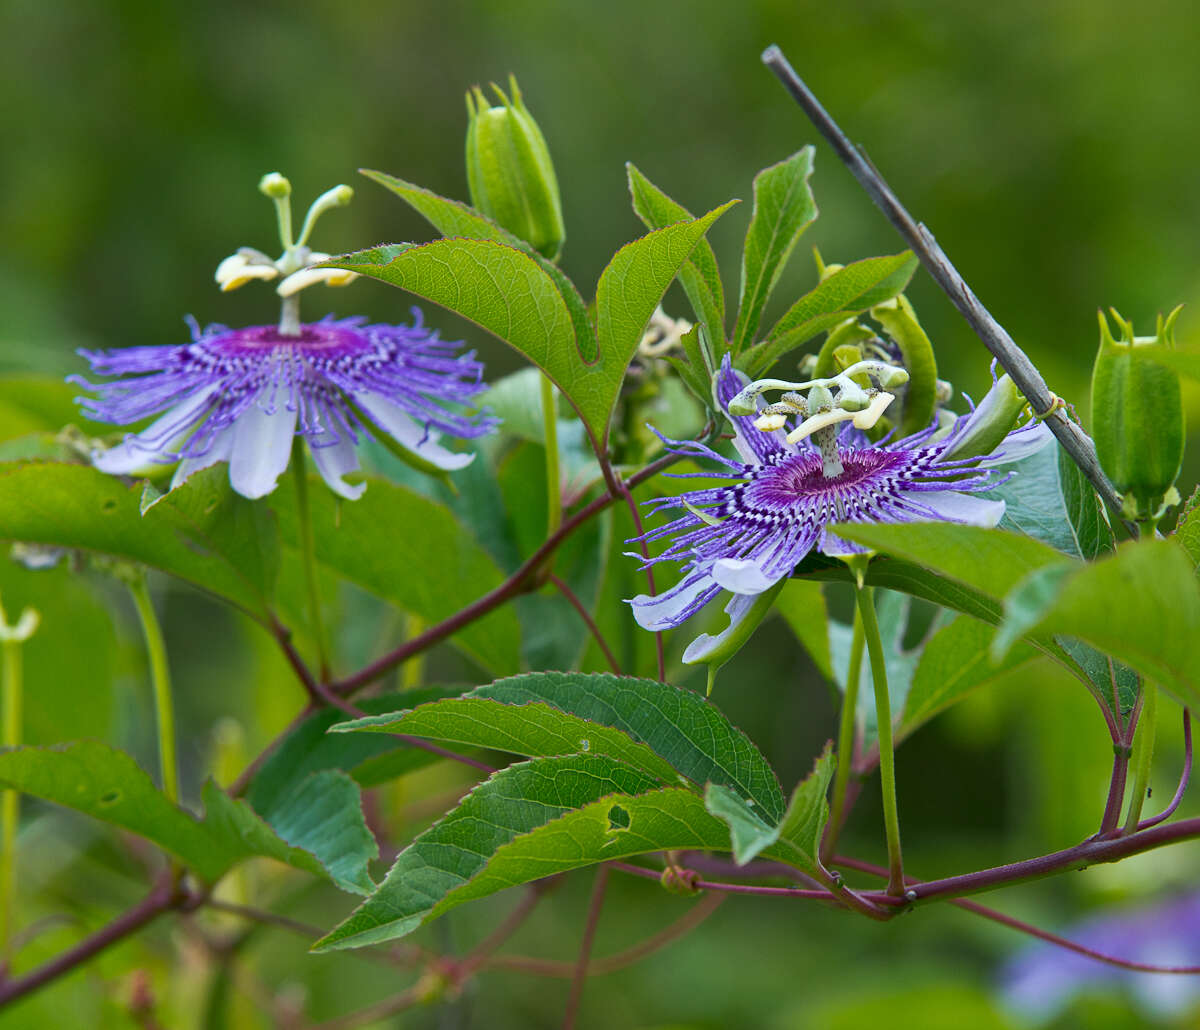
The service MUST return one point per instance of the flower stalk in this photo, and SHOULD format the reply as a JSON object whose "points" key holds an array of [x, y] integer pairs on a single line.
{"points": [[160, 678], [308, 556], [847, 731], [865, 597], [553, 478], [12, 638], [1143, 755]]}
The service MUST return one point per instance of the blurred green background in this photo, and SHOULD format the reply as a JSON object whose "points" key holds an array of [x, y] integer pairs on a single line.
{"points": [[1051, 146]]}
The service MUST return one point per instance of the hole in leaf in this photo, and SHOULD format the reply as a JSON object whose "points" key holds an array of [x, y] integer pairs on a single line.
{"points": [[618, 818], [110, 797]]}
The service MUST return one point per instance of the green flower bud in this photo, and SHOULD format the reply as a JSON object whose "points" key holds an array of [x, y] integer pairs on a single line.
{"points": [[920, 401], [1137, 416], [509, 172]]}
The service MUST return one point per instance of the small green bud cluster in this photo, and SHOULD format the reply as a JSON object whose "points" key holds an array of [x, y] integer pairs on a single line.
{"points": [[1137, 416], [509, 171]]}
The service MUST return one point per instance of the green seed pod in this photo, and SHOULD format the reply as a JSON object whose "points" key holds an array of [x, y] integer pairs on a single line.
{"points": [[1137, 416], [509, 172]]}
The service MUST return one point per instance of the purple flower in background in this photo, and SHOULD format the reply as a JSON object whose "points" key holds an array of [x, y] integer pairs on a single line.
{"points": [[748, 535], [1044, 979], [242, 395]]}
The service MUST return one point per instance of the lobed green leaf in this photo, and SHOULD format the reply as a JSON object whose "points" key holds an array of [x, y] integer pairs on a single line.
{"points": [[699, 275], [511, 294], [453, 218]]}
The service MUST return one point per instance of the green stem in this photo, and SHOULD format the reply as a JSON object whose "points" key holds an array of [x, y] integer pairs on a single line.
{"points": [[413, 671], [1143, 754], [10, 810], [887, 757], [308, 554], [845, 748], [553, 487], [160, 677]]}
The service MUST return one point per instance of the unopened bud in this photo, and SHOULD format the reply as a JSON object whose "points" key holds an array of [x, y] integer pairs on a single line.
{"points": [[1137, 415], [509, 171]]}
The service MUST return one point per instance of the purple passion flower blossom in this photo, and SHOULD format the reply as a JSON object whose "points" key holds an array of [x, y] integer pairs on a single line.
{"points": [[748, 535], [242, 395], [1040, 984]]}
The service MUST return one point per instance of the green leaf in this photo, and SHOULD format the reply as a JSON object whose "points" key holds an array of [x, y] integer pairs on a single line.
{"points": [[76, 678], [1085, 512], [847, 293], [748, 834], [806, 816], [802, 605], [956, 661], [1187, 529], [989, 563], [783, 209], [992, 561], [534, 729], [796, 839], [630, 288], [554, 713], [512, 802], [202, 532], [317, 826], [516, 399], [452, 218], [322, 821], [512, 295], [310, 748], [1062, 512], [433, 568], [40, 404], [699, 275], [1141, 606], [695, 367], [909, 578]]}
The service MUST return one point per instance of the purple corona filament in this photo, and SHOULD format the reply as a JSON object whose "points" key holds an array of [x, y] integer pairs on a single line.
{"points": [[242, 395], [747, 535]]}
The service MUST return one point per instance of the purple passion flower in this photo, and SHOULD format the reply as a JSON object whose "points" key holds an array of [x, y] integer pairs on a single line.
{"points": [[1043, 980], [242, 395], [748, 535]]}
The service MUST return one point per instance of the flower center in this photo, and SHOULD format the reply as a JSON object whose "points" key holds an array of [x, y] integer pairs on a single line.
{"points": [[799, 479], [325, 341]]}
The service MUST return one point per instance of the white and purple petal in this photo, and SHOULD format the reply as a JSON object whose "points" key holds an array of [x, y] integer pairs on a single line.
{"points": [[262, 444], [335, 461], [681, 602], [230, 394]]}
